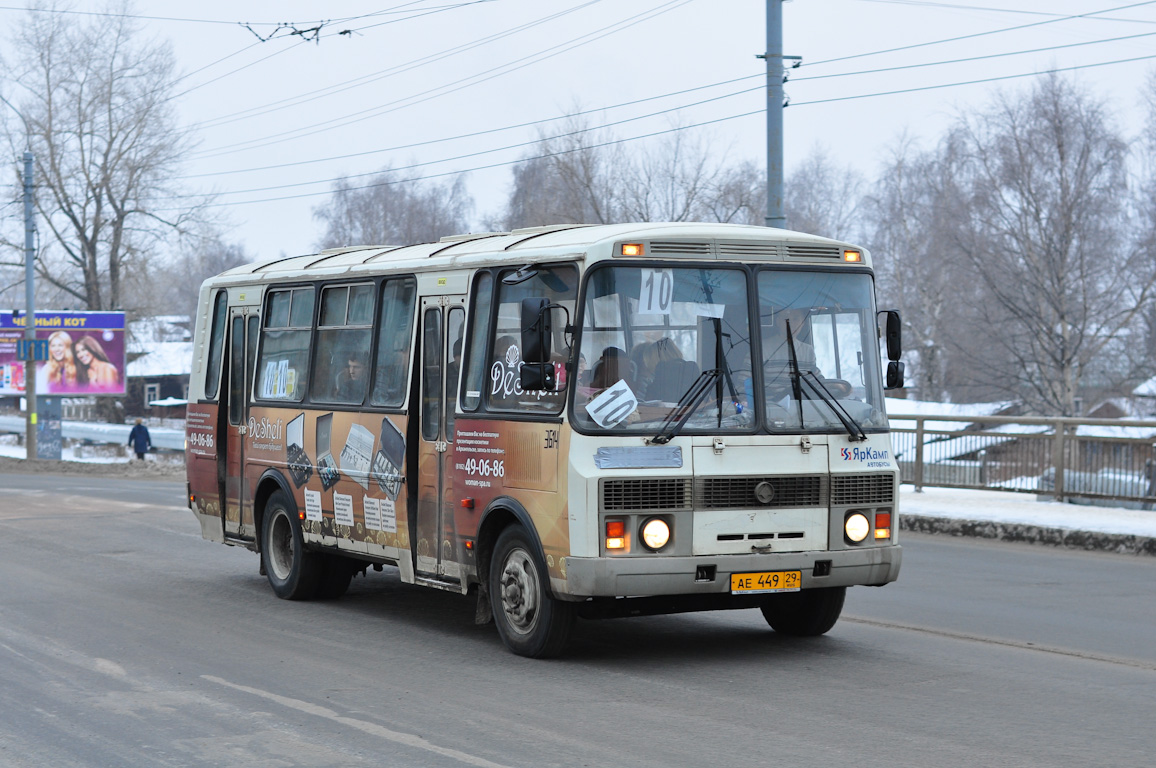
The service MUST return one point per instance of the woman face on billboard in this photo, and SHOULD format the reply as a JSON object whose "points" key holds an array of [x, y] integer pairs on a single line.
{"points": [[83, 355], [58, 346]]}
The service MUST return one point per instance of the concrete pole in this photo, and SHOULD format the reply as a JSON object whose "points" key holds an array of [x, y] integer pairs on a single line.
{"points": [[30, 308], [774, 59]]}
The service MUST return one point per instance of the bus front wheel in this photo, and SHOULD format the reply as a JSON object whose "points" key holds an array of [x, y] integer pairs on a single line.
{"points": [[530, 621], [293, 572], [808, 613]]}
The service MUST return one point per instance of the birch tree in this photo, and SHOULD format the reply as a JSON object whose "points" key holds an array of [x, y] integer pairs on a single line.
{"points": [[1044, 224], [387, 210]]}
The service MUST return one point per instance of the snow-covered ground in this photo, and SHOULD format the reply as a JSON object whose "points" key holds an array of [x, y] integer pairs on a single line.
{"points": [[1023, 509]]}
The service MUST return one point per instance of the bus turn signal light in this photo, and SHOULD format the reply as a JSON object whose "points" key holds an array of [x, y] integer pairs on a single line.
{"points": [[616, 534], [633, 249], [883, 525]]}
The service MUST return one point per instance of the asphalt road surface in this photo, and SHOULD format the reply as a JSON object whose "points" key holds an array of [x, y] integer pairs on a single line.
{"points": [[126, 640]]}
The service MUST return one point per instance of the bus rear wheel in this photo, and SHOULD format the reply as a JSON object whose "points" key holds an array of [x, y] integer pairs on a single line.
{"points": [[293, 573], [530, 621], [809, 613]]}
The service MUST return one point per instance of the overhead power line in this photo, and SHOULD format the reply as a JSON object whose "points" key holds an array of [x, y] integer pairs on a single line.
{"points": [[653, 134], [382, 74], [980, 34], [634, 102], [447, 88]]}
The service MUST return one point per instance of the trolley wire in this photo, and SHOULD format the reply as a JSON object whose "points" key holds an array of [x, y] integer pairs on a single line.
{"points": [[652, 134], [446, 88], [532, 123]]}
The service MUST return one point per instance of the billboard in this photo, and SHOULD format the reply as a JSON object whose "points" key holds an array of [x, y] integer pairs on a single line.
{"points": [[86, 353]]}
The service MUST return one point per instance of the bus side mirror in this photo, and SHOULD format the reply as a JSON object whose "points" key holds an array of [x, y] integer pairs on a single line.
{"points": [[536, 377], [894, 376], [894, 334], [536, 331]]}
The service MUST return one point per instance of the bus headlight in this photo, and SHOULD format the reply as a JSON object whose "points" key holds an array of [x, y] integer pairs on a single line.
{"points": [[857, 527], [655, 533]]}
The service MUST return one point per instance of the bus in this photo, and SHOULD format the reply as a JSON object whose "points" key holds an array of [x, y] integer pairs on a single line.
{"points": [[560, 422]]}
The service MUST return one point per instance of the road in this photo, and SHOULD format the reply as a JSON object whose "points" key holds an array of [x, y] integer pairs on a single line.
{"points": [[126, 640]]}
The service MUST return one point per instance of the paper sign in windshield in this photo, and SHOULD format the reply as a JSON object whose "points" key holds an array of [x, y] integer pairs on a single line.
{"points": [[657, 292], [613, 405]]}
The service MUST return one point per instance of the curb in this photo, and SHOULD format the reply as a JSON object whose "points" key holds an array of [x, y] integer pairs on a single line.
{"points": [[1119, 543]]}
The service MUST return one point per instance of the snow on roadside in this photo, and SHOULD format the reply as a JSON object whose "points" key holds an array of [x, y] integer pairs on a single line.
{"points": [[1023, 509]]}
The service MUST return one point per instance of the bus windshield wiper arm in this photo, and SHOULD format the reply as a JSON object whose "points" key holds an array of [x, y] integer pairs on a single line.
{"points": [[819, 388], [681, 412]]}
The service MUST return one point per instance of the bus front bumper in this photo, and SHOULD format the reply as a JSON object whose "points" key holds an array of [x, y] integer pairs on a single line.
{"points": [[640, 576]]}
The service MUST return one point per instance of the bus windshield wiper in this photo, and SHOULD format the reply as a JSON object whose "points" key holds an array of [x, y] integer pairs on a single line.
{"points": [[681, 412], [819, 388]]}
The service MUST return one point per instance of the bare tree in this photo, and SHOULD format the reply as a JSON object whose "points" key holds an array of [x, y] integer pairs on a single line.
{"points": [[739, 195], [672, 180], [198, 257], [107, 147], [821, 199], [1044, 224], [907, 222], [390, 211], [569, 178]]}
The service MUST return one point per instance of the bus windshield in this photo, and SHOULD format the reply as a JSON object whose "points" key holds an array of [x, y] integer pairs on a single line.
{"points": [[830, 318], [655, 337], [670, 349]]}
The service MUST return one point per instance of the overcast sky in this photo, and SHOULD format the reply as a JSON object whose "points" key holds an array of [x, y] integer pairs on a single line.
{"points": [[449, 87]]}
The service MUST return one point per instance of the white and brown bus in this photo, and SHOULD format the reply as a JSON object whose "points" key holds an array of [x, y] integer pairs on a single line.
{"points": [[570, 421]]}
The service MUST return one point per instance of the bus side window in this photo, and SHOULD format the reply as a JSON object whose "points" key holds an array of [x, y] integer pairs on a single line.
{"points": [[285, 343], [479, 334], [455, 323], [216, 341], [558, 284], [344, 334], [394, 329]]}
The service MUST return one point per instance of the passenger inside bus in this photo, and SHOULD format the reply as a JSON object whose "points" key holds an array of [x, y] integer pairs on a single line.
{"points": [[613, 366], [777, 355], [351, 379]]}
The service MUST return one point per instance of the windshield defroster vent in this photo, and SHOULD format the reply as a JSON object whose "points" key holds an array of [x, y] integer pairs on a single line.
{"points": [[813, 251], [672, 247]]}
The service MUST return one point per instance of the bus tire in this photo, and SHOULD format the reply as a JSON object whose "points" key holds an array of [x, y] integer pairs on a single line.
{"points": [[530, 621], [336, 573], [809, 613], [292, 571]]}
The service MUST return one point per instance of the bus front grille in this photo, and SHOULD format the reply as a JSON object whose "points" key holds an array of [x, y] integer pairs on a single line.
{"points": [[862, 490], [646, 494], [771, 492]]}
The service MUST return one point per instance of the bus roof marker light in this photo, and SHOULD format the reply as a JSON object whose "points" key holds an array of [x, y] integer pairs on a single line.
{"points": [[852, 256], [633, 249]]}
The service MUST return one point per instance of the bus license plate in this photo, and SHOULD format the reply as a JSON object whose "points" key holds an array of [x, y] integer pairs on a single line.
{"points": [[768, 581]]}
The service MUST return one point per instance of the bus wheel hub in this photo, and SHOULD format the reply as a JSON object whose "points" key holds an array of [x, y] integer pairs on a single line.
{"points": [[519, 591]]}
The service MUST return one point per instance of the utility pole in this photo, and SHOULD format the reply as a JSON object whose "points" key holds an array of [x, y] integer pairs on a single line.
{"points": [[774, 60], [30, 310]]}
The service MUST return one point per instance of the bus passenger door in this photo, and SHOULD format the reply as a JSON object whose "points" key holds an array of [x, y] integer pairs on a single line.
{"points": [[442, 323], [237, 510]]}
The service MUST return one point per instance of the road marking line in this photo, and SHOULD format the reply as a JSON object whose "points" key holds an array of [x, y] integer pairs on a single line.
{"points": [[374, 729], [1022, 644]]}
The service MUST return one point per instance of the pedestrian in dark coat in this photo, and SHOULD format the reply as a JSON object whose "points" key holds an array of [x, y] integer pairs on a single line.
{"points": [[139, 439]]}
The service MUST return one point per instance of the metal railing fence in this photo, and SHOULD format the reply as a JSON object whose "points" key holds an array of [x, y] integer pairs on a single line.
{"points": [[1099, 460]]}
